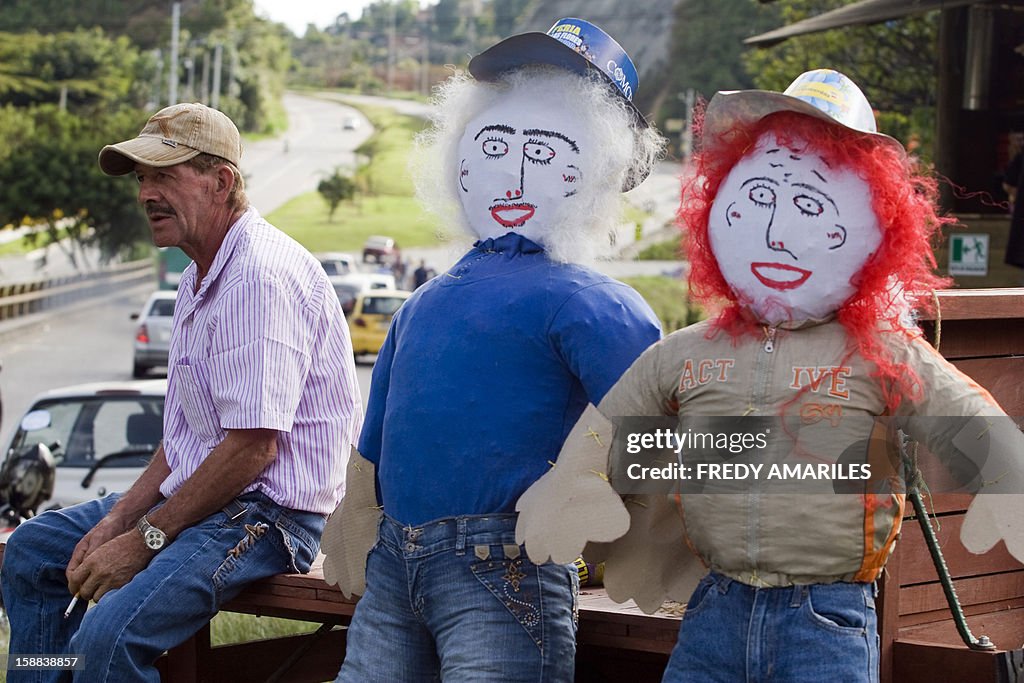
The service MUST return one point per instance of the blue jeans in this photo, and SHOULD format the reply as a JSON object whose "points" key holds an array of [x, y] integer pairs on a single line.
{"points": [[173, 597], [457, 600], [735, 633]]}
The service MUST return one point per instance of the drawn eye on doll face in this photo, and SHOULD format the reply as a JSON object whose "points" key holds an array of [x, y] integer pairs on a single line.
{"points": [[517, 163], [495, 148], [781, 224], [538, 152], [761, 194]]}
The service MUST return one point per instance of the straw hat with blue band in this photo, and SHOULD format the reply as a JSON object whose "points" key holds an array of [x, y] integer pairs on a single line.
{"points": [[572, 44], [822, 93]]}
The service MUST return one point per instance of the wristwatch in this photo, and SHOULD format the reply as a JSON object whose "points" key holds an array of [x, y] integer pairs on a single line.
{"points": [[155, 538]]}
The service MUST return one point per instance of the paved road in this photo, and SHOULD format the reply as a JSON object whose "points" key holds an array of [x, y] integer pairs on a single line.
{"points": [[278, 169], [408, 107]]}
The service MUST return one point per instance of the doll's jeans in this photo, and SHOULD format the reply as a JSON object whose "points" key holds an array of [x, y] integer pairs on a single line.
{"points": [[735, 633], [457, 600], [180, 590]]}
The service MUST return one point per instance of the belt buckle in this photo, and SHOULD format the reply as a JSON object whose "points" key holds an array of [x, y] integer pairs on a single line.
{"points": [[234, 510]]}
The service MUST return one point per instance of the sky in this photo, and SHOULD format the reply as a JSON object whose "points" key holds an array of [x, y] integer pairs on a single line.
{"points": [[296, 14]]}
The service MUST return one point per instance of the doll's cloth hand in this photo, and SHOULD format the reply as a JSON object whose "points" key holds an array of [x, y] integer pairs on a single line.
{"points": [[993, 517], [652, 562], [351, 531], [573, 503]]}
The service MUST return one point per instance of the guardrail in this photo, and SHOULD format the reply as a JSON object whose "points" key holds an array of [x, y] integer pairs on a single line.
{"points": [[23, 298]]}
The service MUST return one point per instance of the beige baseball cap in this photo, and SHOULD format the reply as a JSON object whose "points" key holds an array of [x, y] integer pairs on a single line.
{"points": [[173, 135]]}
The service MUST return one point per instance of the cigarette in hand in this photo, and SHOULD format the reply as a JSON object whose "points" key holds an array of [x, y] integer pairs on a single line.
{"points": [[71, 606]]}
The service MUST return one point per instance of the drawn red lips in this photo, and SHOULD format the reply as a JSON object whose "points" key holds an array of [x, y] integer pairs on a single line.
{"points": [[779, 275], [513, 215]]}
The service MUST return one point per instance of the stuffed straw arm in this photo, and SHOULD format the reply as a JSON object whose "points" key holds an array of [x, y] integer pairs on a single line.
{"points": [[573, 503], [351, 530]]}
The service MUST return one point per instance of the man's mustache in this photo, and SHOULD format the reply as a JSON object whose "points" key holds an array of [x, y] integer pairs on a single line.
{"points": [[155, 209]]}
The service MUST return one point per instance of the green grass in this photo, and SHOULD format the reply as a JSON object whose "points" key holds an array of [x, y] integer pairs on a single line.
{"points": [[635, 215], [388, 150], [27, 244], [670, 250], [668, 298], [305, 219], [231, 627]]}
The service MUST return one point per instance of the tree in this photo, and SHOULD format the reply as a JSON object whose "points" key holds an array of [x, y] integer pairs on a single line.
{"points": [[256, 51], [85, 69], [892, 62], [449, 21], [707, 44], [506, 13], [377, 16], [335, 189], [53, 183]]}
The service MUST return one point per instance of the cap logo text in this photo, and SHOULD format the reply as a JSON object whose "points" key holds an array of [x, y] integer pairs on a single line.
{"points": [[566, 28]]}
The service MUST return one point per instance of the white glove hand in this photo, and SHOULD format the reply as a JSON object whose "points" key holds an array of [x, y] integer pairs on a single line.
{"points": [[351, 531], [993, 517], [573, 503], [652, 563], [997, 511]]}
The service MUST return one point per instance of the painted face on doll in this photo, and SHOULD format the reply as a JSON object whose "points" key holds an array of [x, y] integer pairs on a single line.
{"points": [[790, 233], [519, 164]]}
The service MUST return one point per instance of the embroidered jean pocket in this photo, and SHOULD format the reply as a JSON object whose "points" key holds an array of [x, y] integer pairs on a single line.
{"points": [[197, 401], [516, 584]]}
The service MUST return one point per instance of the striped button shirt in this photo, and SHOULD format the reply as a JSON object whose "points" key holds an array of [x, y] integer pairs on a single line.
{"points": [[263, 344]]}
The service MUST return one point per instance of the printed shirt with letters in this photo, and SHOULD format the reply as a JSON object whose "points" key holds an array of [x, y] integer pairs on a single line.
{"points": [[808, 371], [484, 371], [263, 344]]}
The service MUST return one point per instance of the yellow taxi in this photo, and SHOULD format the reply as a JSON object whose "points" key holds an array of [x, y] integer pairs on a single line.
{"points": [[370, 316]]}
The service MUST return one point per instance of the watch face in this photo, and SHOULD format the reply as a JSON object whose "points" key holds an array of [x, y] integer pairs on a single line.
{"points": [[155, 539]]}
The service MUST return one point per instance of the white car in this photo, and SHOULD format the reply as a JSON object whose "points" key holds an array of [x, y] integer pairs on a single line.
{"points": [[348, 287], [337, 263], [101, 435], [153, 335]]}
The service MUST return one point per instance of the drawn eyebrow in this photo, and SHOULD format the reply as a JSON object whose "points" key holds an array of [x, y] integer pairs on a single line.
{"points": [[819, 176], [553, 134], [773, 151], [812, 188], [498, 127], [767, 180]]}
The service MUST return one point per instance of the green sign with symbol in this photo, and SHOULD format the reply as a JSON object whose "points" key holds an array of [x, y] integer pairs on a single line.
{"points": [[968, 255]]}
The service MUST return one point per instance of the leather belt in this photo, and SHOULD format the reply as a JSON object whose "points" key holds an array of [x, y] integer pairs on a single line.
{"points": [[234, 510]]}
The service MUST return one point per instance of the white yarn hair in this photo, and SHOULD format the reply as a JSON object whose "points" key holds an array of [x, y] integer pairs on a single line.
{"points": [[621, 151]]}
